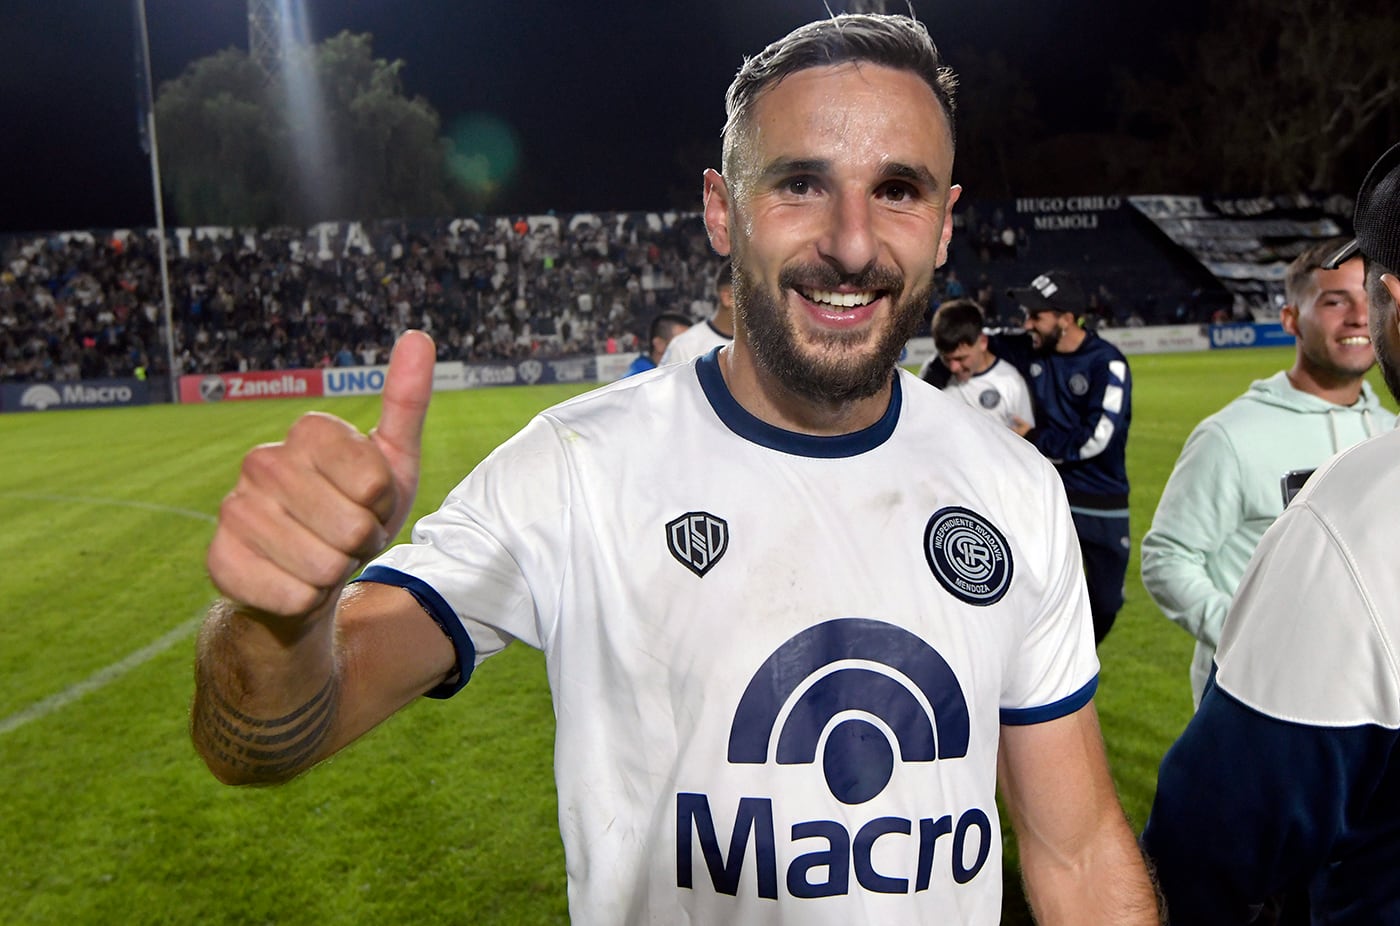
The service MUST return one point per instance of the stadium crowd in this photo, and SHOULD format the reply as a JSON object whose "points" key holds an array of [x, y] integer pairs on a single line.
{"points": [[89, 306], [82, 306]]}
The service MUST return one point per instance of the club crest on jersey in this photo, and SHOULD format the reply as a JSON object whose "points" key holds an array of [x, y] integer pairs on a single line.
{"points": [[969, 557], [697, 539], [989, 398], [1079, 384]]}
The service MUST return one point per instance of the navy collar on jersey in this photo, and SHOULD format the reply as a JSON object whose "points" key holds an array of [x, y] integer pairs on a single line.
{"points": [[738, 420], [719, 334], [990, 367]]}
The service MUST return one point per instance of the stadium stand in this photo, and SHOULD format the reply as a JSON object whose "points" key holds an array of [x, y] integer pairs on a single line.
{"points": [[88, 304]]}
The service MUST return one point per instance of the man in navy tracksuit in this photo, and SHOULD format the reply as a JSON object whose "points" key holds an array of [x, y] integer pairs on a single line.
{"points": [[1082, 392]]}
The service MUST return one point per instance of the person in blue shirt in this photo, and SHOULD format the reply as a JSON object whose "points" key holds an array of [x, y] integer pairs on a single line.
{"points": [[664, 327], [1082, 392]]}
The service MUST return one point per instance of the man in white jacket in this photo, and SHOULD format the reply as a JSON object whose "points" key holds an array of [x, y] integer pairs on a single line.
{"points": [[1225, 489], [1286, 778]]}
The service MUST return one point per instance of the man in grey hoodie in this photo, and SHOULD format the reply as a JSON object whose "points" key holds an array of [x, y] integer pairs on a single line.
{"points": [[1225, 489]]}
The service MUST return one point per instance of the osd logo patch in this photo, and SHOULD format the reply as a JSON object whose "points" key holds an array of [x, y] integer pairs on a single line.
{"points": [[697, 539], [969, 557]]}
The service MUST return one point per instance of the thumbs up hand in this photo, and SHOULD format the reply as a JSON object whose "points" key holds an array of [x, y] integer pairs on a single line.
{"points": [[307, 513]]}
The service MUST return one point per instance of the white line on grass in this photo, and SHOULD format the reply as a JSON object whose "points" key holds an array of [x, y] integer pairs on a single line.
{"points": [[117, 502], [98, 679], [116, 670]]}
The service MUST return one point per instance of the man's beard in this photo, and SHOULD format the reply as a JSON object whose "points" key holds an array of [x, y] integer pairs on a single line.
{"points": [[848, 376], [1046, 344]]}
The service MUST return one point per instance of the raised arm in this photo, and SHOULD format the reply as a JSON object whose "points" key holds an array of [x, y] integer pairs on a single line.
{"points": [[1079, 859], [290, 665]]}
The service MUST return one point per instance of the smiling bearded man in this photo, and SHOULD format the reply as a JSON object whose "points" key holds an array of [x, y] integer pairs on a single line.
{"points": [[785, 547], [849, 376]]}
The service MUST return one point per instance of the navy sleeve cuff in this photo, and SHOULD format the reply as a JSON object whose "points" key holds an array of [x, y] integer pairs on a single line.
{"points": [[442, 614], [1023, 716]]}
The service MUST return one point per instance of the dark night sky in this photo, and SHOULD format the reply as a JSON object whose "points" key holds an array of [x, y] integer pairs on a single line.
{"points": [[600, 102]]}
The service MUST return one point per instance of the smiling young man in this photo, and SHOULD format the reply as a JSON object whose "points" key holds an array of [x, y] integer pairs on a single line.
{"points": [[1225, 489], [1287, 777], [787, 677]]}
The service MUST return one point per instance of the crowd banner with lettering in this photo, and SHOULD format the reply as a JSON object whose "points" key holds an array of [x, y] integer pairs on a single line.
{"points": [[531, 372], [88, 393], [449, 376], [1262, 334], [1246, 243], [349, 381], [354, 380], [613, 366], [237, 387], [1159, 339]]}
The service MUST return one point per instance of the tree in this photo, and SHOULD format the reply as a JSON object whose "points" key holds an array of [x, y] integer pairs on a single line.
{"points": [[217, 143], [332, 137], [1277, 96], [995, 119]]}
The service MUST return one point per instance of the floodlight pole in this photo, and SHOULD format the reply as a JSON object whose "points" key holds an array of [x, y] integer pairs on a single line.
{"points": [[150, 109]]}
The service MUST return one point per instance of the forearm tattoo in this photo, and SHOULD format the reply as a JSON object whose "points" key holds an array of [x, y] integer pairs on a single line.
{"points": [[264, 749]]}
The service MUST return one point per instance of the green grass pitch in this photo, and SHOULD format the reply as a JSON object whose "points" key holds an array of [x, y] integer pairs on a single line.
{"points": [[444, 815]]}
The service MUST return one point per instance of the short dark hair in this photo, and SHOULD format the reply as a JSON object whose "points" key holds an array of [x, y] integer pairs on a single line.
{"points": [[955, 323], [887, 39], [1298, 276], [664, 325]]}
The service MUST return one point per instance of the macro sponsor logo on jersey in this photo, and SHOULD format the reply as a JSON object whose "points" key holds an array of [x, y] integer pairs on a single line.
{"points": [[858, 702]]}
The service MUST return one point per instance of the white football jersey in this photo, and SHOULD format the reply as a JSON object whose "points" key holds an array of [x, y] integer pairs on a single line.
{"points": [[998, 391], [695, 341], [779, 662]]}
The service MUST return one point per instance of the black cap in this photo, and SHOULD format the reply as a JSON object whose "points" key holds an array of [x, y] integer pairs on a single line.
{"points": [[1377, 218], [1052, 291]]}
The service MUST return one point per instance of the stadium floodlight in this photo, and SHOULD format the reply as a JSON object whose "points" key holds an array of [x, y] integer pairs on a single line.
{"points": [[148, 112]]}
